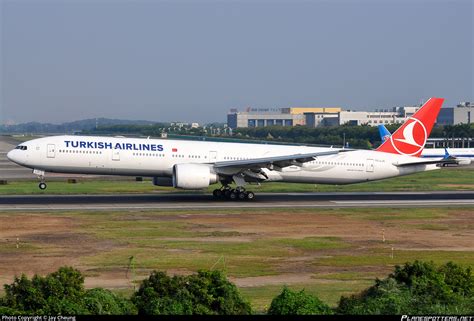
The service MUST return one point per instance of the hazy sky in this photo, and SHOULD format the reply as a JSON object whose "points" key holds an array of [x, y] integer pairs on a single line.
{"points": [[193, 60]]}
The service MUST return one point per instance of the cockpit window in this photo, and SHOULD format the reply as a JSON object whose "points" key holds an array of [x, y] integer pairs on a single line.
{"points": [[21, 147]]}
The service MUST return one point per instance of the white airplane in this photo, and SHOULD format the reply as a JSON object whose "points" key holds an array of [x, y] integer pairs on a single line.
{"points": [[198, 164], [463, 156]]}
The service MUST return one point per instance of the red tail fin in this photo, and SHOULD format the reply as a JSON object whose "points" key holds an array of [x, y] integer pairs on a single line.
{"points": [[411, 137]]}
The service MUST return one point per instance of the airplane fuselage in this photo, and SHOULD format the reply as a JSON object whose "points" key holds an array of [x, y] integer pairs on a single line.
{"points": [[157, 157]]}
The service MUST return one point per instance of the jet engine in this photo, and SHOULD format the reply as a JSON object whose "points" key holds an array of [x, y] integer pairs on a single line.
{"points": [[193, 176]]}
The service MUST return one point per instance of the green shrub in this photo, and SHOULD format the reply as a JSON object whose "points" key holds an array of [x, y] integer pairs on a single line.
{"points": [[57, 293], [289, 302], [60, 293], [9, 311], [416, 288], [207, 292], [101, 301]]}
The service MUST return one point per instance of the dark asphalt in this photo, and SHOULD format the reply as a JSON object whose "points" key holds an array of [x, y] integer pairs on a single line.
{"points": [[267, 198]]}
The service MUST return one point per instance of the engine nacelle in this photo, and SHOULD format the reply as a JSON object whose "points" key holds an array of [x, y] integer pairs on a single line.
{"points": [[463, 161], [162, 181], [193, 176]]}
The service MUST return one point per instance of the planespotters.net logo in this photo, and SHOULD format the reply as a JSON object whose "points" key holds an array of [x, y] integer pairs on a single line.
{"points": [[437, 318], [414, 138]]}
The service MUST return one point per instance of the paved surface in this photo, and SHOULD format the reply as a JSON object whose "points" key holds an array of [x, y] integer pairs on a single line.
{"points": [[263, 200], [10, 170]]}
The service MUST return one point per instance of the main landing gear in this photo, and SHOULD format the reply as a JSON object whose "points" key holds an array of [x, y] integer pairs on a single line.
{"points": [[237, 194]]}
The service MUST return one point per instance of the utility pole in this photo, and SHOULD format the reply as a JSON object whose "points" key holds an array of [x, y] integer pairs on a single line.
{"points": [[131, 268]]}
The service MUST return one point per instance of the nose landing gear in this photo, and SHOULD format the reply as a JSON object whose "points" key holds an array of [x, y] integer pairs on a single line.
{"points": [[42, 185], [237, 194]]}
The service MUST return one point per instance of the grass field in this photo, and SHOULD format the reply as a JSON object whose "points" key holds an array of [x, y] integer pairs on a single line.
{"points": [[444, 179], [329, 252]]}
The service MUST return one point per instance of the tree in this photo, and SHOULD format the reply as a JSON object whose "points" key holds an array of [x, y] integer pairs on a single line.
{"points": [[101, 301], [207, 292], [416, 288], [385, 297], [57, 293], [61, 292], [290, 302]]}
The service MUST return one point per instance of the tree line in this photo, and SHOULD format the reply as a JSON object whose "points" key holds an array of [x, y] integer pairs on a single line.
{"points": [[353, 136], [364, 136], [415, 288]]}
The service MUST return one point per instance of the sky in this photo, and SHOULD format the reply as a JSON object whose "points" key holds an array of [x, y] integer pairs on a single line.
{"points": [[194, 60]]}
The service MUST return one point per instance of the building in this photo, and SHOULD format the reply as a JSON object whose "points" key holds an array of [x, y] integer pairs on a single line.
{"points": [[181, 124], [262, 117], [461, 114], [335, 116], [372, 118]]}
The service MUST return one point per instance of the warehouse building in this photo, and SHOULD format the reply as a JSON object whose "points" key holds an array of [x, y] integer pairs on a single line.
{"points": [[262, 117], [372, 118], [395, 115], [461, 114], [335, 116]]}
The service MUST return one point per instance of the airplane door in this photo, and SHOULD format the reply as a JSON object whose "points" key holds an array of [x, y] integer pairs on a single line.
{"points": [[116, 154], [370, 165], [51, 150], [212, 156]]}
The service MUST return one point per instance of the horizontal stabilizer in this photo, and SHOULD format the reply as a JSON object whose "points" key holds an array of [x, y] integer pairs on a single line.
{"points": [[429, 162]]}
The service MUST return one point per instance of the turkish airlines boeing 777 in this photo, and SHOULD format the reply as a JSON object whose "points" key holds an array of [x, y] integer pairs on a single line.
{"points": [[198, 164]]}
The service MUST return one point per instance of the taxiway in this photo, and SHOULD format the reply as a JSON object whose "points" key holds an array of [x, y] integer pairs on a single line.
{"points": [[264, 200]]}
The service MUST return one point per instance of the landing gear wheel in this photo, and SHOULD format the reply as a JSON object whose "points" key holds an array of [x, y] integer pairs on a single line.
{"points": [[233, 196], [242, 196], [227, 193], [42, 186], [250, 195], [217, 193]]}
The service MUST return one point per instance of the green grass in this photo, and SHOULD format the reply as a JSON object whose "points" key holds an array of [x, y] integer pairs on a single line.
{"points": [[348, 276], [11, 247], [431, 227], [382, 257], [329, 292], [189, 240], [313, 243], [444, 179], [395, 214], [81, 187], [240, 259], [159, 242]]}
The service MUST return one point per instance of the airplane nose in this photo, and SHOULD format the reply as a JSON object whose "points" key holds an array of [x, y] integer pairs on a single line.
{"points": [[13, 156], [10, 155]]}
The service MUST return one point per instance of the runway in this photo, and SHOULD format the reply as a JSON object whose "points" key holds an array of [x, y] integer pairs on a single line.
{"points": [[190, 201]]}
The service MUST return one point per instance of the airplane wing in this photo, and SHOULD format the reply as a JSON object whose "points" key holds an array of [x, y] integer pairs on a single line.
{"points": [[442, 161], [275, 162]]}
